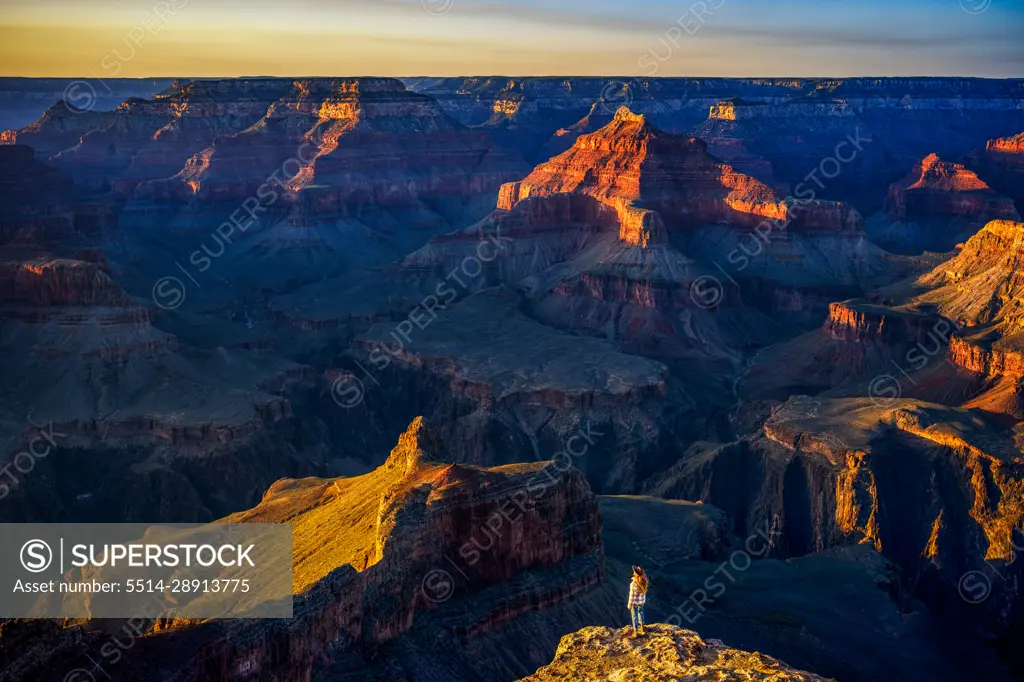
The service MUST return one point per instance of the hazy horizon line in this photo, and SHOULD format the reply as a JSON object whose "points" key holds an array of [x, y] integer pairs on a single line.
{"points": [[513, 75]]}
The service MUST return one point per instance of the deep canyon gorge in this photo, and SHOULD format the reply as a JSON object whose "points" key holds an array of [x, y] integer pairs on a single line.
{"points": [[635, 320]]}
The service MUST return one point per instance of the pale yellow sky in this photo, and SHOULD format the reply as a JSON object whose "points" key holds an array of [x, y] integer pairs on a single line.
{"points": [[207, 38]]}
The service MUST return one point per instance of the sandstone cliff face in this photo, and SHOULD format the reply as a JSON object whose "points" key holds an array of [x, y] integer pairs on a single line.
{"points": [[860, 322], [979, 289], [939, 187], [858, 341], [831, 472], [359, 139], [221, 140], [1001, 164], [362, 585], [979, 455], [664, 654], [666, 190], [990, 361], [629, 161], [733, 111], [936, 206]]}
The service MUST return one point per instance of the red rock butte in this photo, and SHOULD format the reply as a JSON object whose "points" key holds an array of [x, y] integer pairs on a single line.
{"points": [[935, 186], [637, 169]]}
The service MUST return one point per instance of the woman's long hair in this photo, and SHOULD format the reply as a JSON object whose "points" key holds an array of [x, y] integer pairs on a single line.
{"points": [[641, 579]]}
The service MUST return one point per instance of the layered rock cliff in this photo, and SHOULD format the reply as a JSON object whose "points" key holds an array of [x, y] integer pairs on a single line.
{"points": [[522, 539], [936, 206], [1001, 164], [629, 160], [980, 290], [908, 116], [143, 423], [832, 472], [23, 100]]}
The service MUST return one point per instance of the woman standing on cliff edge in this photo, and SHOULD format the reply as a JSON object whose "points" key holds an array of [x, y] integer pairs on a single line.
{"points": [[637, 598]]}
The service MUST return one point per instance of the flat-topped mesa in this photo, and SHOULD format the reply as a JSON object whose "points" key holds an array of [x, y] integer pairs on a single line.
{"points": [[937, 187], [145, 139], [863, 322], [376, 104], [988, 359], [630, 165], [48, 282], [251, 127], [1011, 146]]}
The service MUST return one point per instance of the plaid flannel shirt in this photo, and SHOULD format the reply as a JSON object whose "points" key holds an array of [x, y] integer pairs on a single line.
{"points": [[636, 597]]}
